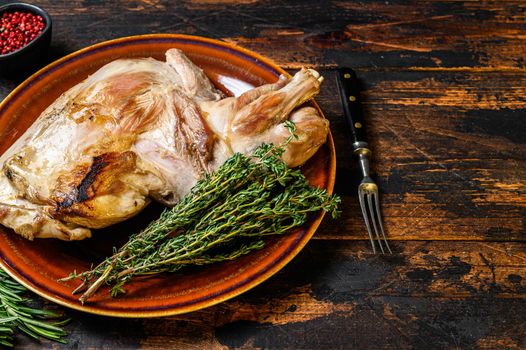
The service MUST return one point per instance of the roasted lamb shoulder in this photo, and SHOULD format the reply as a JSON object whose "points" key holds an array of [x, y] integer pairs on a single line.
{"points": [[142, 129]]}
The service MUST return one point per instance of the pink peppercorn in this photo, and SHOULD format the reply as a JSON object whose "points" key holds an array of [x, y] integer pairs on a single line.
{"points": [[17, 29]]}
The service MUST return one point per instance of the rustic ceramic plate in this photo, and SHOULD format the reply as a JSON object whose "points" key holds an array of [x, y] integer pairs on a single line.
{"points": [[39, 264]]}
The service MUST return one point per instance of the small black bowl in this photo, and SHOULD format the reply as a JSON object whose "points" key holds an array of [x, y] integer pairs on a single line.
{"points": [[29, 56]]}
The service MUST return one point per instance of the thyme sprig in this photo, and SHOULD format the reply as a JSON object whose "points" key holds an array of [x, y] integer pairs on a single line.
{"points": [[247, 198], [16, 314]]}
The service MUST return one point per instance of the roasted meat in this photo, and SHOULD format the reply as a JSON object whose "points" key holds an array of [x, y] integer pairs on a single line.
{"points": [[142, 129]]}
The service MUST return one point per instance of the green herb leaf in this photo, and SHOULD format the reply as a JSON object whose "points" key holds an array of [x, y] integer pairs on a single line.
{"points": [[246, 199], [15, 314]]}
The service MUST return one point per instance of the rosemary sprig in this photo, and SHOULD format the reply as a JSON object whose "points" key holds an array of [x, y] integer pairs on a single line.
{"points": [[15, 314], [246, 198]]}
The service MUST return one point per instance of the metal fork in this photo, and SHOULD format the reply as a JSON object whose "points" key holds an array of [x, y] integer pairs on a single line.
{"points": [[367, 190]]}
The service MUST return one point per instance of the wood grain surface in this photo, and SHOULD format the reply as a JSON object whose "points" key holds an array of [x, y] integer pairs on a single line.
{"points": [[445, 102]]}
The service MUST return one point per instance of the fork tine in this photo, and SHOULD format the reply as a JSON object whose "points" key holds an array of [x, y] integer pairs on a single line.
{"points": [[366, 219], [379, 216], [371, 210]]}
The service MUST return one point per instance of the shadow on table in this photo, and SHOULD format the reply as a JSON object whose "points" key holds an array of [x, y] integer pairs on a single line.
{"points": [[17, 76]]}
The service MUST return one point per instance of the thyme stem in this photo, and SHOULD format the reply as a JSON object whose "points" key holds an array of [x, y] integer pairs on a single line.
{"points": [[245, 199]]}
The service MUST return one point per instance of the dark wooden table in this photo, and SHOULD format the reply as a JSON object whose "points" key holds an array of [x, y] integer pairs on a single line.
{"points": [[445, 100]]}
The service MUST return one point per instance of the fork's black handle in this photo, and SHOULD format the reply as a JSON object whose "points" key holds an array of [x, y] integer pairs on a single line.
{"points": [[350, 89]]}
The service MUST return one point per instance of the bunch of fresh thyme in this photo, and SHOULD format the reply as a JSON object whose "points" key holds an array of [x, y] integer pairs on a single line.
{"points": [[244, 200], [16, 314]]}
